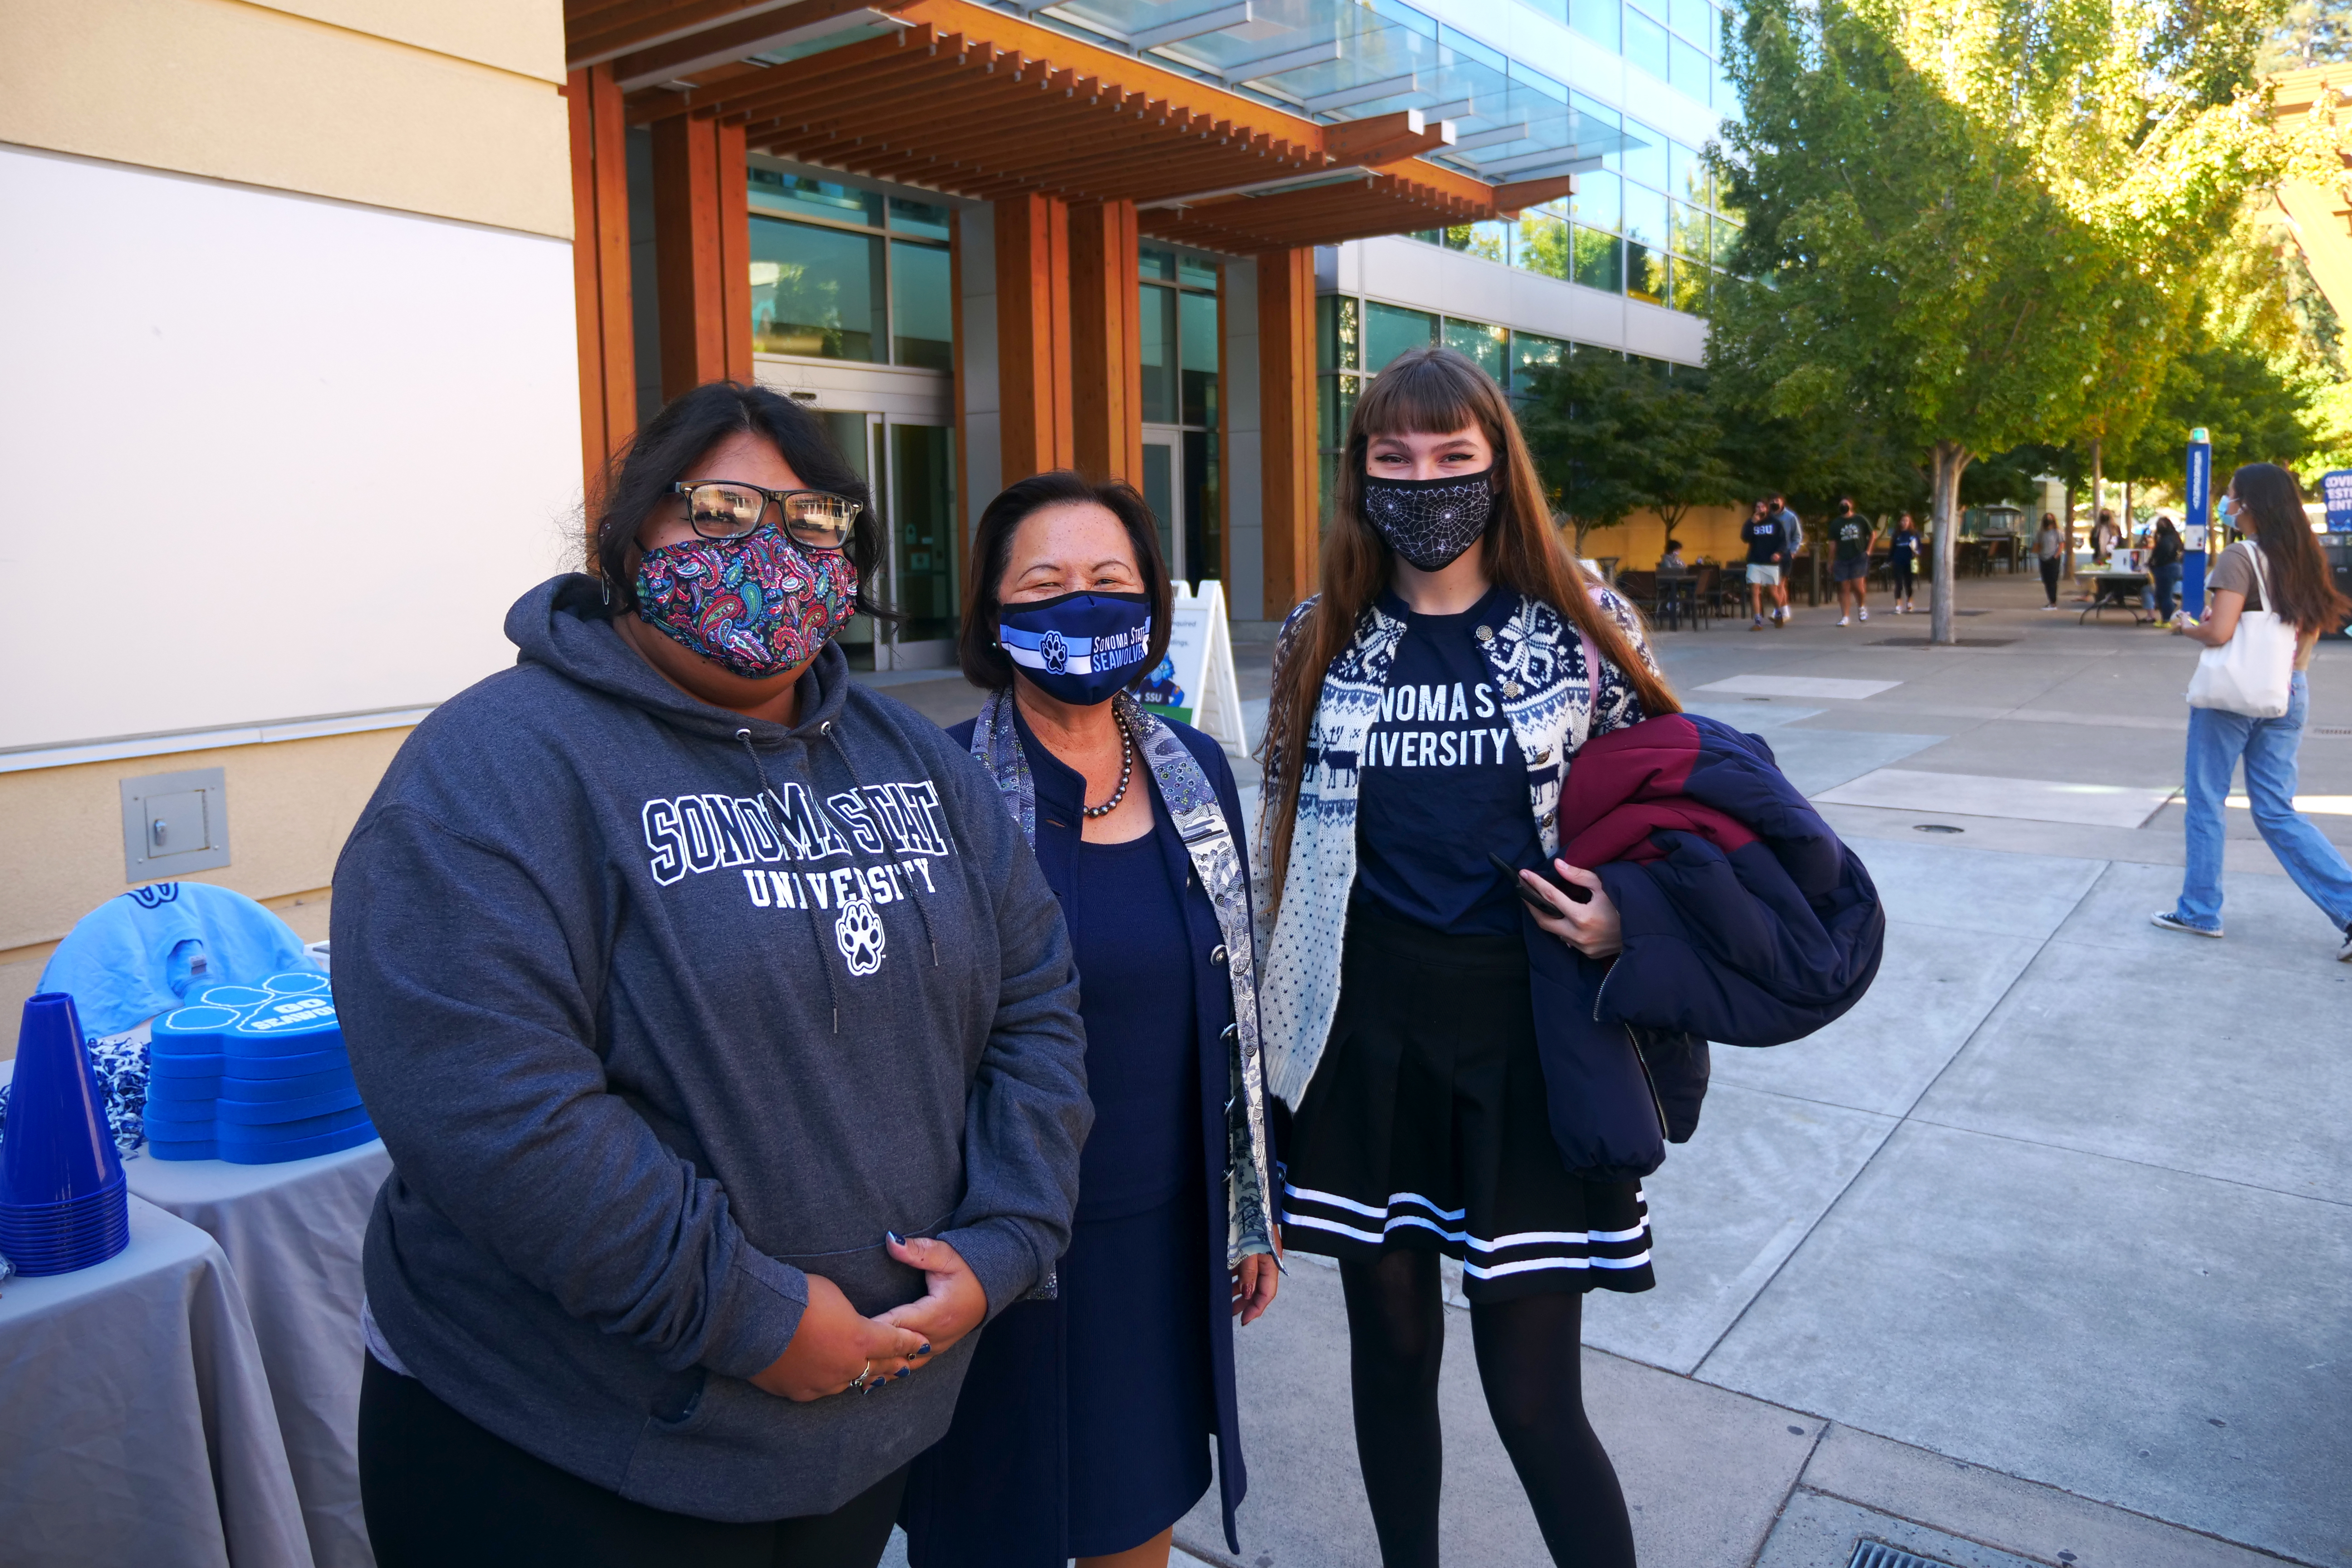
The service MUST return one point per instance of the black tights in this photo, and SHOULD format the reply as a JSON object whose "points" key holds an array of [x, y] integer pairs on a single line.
{"points": [[1529, 1364]]}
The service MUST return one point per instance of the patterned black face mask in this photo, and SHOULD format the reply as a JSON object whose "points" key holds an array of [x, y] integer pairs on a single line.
{"points": [[1430, 522]]}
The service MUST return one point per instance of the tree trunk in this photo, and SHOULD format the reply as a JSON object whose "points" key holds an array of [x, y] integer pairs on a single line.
{"points": [[2098, 488], [1951, 459]]}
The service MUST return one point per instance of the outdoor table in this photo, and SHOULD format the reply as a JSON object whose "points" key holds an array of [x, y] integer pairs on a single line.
{"points": [[1675, 596], [2113, 591], [140, 1426], [292, 1232]]}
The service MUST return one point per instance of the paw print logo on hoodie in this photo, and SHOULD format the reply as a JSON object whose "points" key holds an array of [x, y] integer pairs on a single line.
{"points": [[860, 935]]}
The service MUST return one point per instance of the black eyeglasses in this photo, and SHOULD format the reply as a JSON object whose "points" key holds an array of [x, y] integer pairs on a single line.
{"points": [[728, 509]]}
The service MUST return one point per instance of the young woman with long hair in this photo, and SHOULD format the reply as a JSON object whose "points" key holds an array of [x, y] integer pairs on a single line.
{"points": [[2277, 567], [1424, 703]]}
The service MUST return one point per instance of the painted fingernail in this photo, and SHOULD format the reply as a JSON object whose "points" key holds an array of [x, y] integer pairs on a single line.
{"points": [[925, 1350], [904, 1371], [895, 1239]]}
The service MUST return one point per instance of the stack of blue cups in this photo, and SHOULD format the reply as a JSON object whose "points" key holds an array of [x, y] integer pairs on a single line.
{"points": [[63, 1204], [255, 1075]]}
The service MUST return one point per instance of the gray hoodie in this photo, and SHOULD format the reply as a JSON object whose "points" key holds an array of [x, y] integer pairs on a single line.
{"points": [[657, 1007]]}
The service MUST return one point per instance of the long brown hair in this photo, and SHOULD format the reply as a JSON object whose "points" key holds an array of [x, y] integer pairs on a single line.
{"points": [[2300, 591], [1424, 391]]}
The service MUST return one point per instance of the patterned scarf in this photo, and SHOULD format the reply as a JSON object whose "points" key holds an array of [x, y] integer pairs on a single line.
{"points": [[1208, 842]]}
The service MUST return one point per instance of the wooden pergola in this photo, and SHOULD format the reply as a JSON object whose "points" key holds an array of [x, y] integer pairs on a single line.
{"points": [[1080, 149]]}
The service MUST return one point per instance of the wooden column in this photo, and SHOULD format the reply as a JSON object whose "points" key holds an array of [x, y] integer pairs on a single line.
{"points": [[1286, 373], [701, 252], [1106, 341], [1033, 335], [600, 270]]}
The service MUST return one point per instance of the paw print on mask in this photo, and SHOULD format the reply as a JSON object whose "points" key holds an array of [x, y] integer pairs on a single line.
{"points": [[1055, 651], [860, 935]]}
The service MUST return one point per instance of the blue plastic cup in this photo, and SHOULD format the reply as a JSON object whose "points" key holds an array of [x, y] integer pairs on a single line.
{"points": [[57, 1146]]}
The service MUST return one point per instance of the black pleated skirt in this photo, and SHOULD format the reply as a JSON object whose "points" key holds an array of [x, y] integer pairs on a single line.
{"points": [[1425, 1126]]}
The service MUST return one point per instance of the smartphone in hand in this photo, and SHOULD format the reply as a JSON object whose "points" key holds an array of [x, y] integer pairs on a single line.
{"points": [[1532, 899]]}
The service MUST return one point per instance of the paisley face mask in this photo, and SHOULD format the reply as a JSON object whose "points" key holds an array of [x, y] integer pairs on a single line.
{"points": [[758, 605], [1430, 522]]}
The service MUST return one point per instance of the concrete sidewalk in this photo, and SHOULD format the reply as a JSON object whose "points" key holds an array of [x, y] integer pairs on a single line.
{"points": [[2039, 1256]]}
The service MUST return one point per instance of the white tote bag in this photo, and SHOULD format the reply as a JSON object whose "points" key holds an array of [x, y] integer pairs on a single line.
{"points": [[2251, 673]]}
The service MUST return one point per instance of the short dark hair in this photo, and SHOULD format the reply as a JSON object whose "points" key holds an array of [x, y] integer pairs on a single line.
{"points": [[639, 476], [985, 663]]}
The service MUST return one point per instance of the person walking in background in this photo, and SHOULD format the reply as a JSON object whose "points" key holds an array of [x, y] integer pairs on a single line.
{"points": [[1902, 557], [2164, 570], [1451, 632], [1792, 544], [2279, 568], [1850, 536], [1085, 1424], [2046, 546], [1767, 554], [2104, 537]]}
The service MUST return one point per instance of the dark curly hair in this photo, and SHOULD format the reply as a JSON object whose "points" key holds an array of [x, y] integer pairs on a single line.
{"points": [[638, 478]]}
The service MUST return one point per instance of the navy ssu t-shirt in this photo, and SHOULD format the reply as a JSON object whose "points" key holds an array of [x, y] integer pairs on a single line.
{"points": [[1441, 781]]}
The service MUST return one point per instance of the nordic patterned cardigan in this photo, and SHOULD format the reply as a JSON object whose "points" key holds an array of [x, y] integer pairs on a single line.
{"points": [[1556, 691]]}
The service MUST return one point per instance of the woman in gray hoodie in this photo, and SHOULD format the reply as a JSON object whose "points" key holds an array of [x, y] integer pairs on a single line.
{"points": [[724, 1035]]}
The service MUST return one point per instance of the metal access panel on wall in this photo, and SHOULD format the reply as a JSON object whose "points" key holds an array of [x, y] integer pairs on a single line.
{"points": [[174, 823]]}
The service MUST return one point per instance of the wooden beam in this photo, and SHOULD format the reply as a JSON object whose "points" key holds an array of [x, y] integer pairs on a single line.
{"points": [[600, 273], [689, 255], [615, 30], [1386, 138], [1521, 194], [962, 441], [1286, 381], [1106, 341], [1032, 327], [732, 191], [732, 40]]}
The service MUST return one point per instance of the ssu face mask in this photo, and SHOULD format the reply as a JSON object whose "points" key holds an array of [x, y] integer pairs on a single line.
{"points": [[1430, 522], [758, 605], [1079, 647]]}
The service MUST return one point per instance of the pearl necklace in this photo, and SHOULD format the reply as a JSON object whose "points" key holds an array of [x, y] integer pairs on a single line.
{"points": [[1126, 771]]}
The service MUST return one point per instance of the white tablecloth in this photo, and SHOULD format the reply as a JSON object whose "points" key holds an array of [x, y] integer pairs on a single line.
{"points": [[138, 1427], [292, 1232]]}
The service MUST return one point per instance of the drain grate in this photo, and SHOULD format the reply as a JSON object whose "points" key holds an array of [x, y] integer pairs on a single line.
{"points": [[1929, 642], [1936, 828], [2330, 730], [1869, 1553]]}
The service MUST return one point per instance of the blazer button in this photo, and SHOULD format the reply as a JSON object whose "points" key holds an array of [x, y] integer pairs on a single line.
{"points": [[1544, 755], [1550, 817], [1486, 634], [1510, 689], [1217, 954]]}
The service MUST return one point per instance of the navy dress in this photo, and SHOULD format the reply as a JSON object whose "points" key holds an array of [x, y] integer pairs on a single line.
{"points": [[1084, 1424]]}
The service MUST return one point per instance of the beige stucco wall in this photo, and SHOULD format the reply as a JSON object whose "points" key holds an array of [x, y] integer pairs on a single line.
{"points": [[290, 805], [448, 108]]}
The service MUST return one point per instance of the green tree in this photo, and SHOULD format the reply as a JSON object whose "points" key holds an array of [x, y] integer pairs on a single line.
{"points": [[1591, 422], [1973, 225]]}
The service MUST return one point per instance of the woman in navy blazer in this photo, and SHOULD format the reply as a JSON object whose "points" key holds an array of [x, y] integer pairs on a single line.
{"points": [[1083, 1426]]}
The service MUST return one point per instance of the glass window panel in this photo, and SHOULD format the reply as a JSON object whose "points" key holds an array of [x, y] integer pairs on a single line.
{"points": [[1203, 546], [1645, 274], [1160, 494], [1530, 352], [1691, 18], [1691, 71], [1527, 76], [1397, 11], [922, 530], [1159, 355], [1685, 175], [1160, 264], [1428, 236], [1690, 286], [1715, 30], [1489, 241], [1596, 19], [1600, 260], [1723, 96], [1483, 345], [1542, 245], [815, 292], [773, 192], [1335, 404], [1726, 242], [1599, 200], [1690, 232], [1646, 215], [1645, 44], [1196, 274], [1467, 48], [922, 307], [1389, 329], [1556, 9], [1646, 162], [1196, 356], [921, 218], [1336, 343]]}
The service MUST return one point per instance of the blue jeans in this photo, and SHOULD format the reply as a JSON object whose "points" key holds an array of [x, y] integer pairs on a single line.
{"points": [[2216, 741], [2165, 580]]}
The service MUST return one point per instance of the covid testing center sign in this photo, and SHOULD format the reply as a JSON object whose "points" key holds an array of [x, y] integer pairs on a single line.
{"points": [[1195, 683], [2336, 493]]}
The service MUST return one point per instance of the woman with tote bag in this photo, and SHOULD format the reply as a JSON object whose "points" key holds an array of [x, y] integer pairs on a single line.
{"points": [[2270, 600]]}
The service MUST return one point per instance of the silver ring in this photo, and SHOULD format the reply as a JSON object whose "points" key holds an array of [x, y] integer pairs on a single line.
{"points": [[859, 1381]]}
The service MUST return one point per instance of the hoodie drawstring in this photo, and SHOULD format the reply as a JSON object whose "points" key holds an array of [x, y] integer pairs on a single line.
{"points": [[921, 913], [817, 932]]}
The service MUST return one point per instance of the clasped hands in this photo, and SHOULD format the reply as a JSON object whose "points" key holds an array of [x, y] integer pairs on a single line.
{"points": [[837, 1347]]}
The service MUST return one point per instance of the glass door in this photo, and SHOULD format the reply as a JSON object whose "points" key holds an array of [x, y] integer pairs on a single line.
{"points": [[854, 436], [922, 580], [1163, 465]]}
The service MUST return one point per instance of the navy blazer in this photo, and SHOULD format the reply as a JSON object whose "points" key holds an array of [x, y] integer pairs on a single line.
{"points": [[991, 1494]]}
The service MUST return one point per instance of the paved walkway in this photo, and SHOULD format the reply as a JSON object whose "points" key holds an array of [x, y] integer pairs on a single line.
{"points": [[2039, 1256]]}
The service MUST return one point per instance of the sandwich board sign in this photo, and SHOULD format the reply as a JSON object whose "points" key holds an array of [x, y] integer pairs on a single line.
{"points": [[1195, 683]]}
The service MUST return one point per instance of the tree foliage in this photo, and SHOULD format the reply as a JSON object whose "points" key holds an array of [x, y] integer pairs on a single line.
{"points": [[1611, 435]]}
